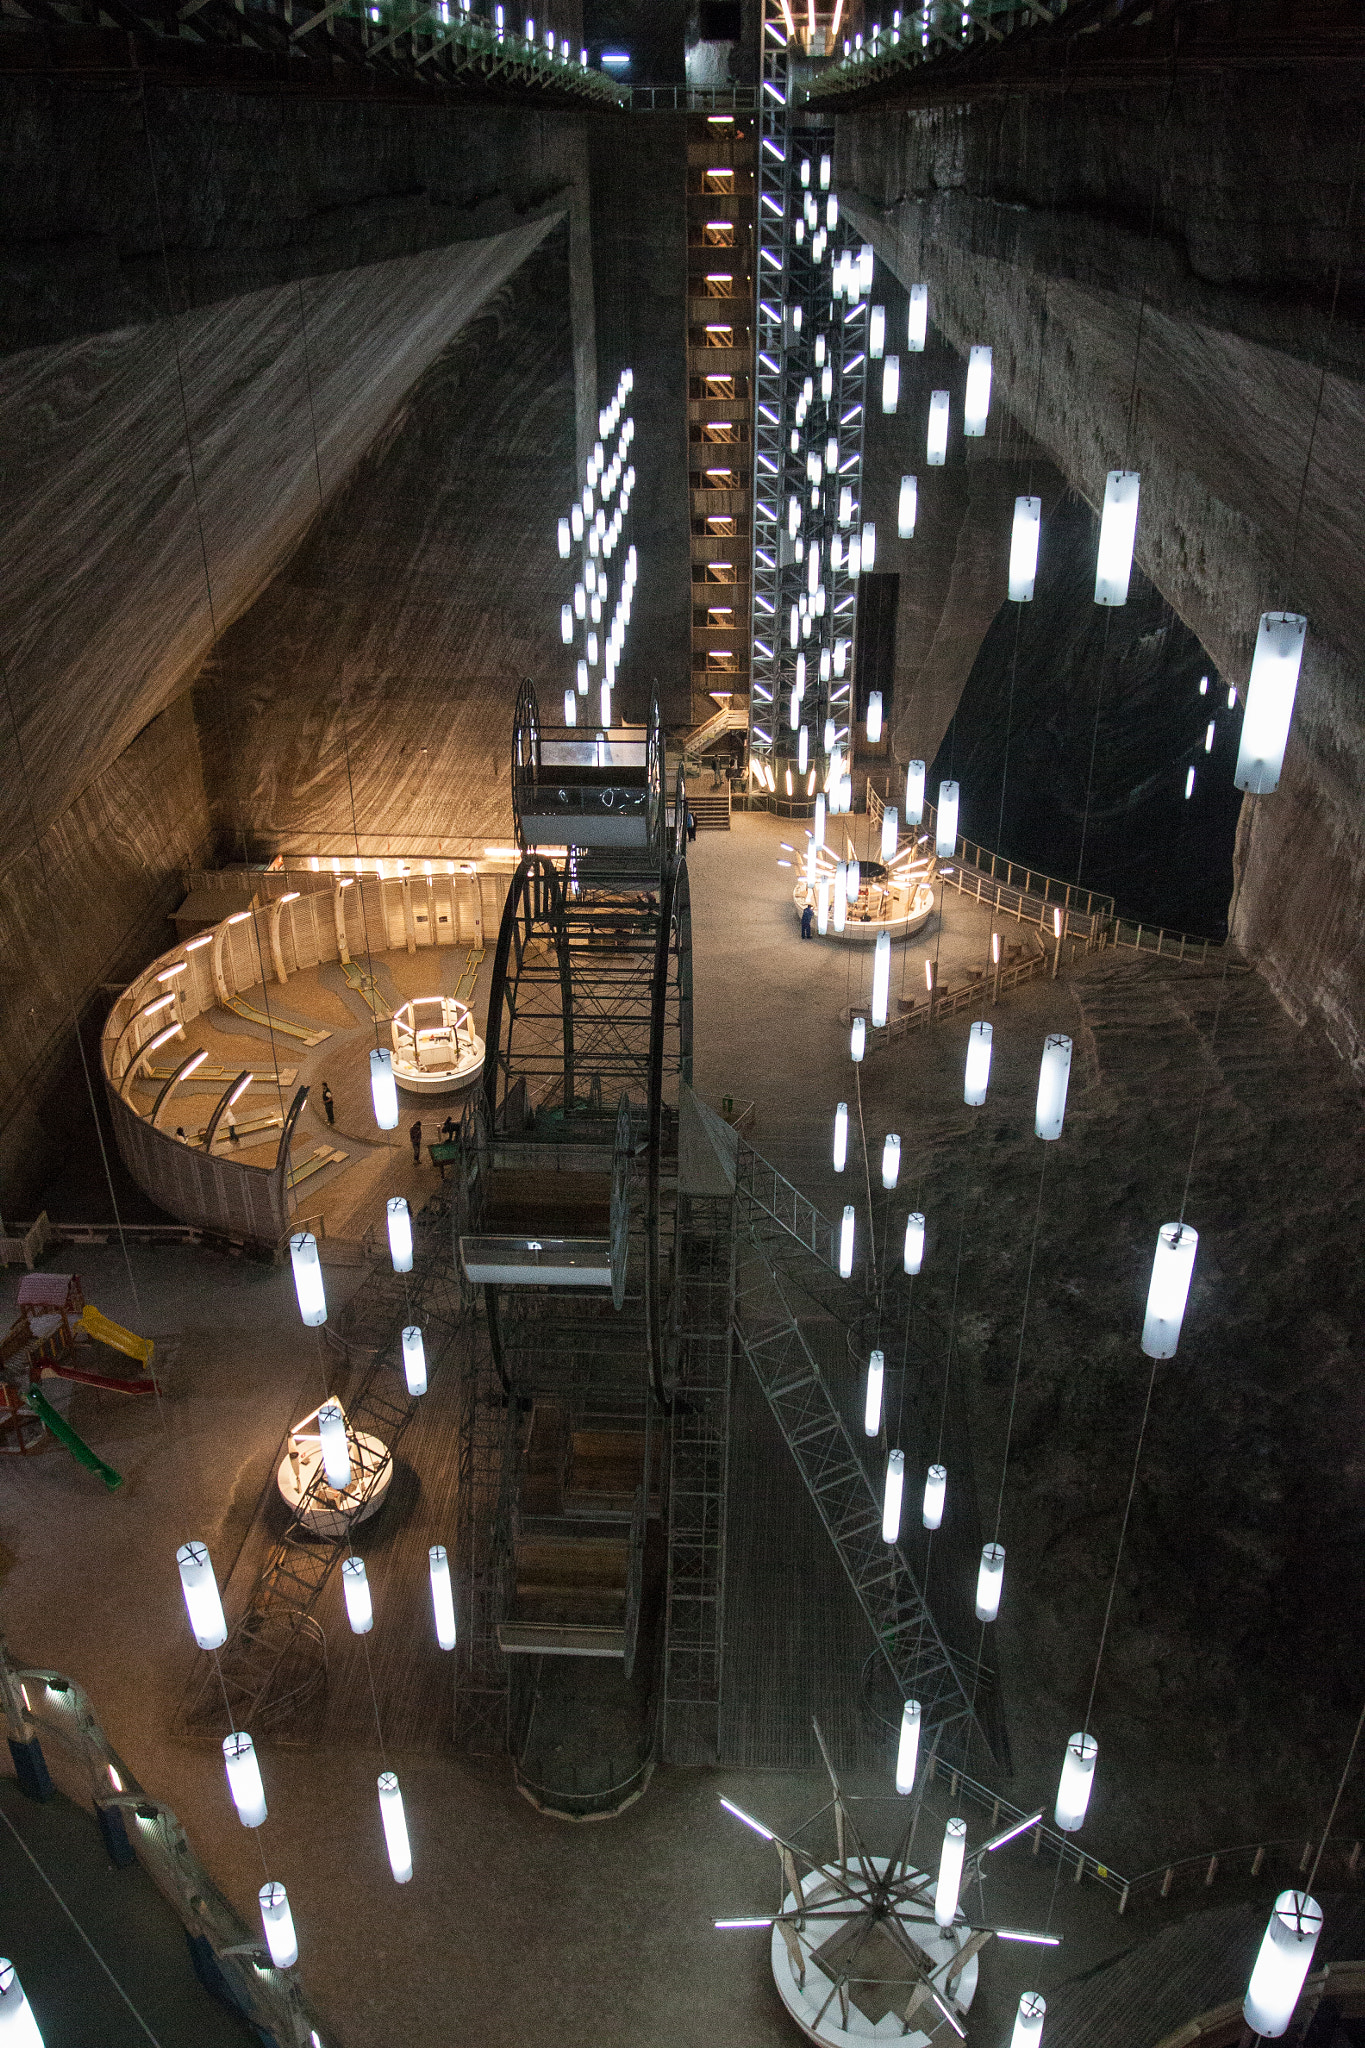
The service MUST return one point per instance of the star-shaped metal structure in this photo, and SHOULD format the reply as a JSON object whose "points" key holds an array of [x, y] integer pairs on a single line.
{"points": [[865, 1923]]}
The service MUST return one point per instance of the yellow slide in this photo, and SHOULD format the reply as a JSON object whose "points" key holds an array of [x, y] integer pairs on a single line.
{"points": [[117, 1337]]}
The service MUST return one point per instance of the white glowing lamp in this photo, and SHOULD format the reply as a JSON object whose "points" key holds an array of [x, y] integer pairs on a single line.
{"points": [[935, 1496], [846, 505], [951, 1859], [1028, 2021], [890, 833], [917, 325], [1053, 1075], [977, 400], [1270, 701], [1078, 1776], [336, 1445], [819, 833], [841, 1137], [857, 1040], [566, 624], [244, 1778], [865, 262], [914, 795], [937, 444], [990, 1581], [18, 2027], [278, 1922], [945, 838], [1118, 530], [395, 1827], [355, 1585], [582, 678], [1028, 513], [891, 1160], [913, 1258], [907, 507], [200, 1589], [840, 899], [822, 908], [383, 1088], [570, 708], [853, 878], [803, 750], [400, 1234], [1169, 1289], [874, 712], [876, 333], [312, 1297], [907, 1747], [893, 1492], [872, 1399], [846, 1242], [442, 1597], [1286, 1953], [976, 1077], [868, 546], [414, 1359], [891, 383], [564, 540], [881, 979]]}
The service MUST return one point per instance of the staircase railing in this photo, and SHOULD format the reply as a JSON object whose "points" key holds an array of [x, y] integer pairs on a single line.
{"points": [[229, 1957]]}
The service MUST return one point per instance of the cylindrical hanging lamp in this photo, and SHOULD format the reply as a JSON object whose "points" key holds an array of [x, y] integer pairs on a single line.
{"points": [[355, 1585], [1283, 1962], [874, 712], [890, 833], [841, 1137], [414, 1359], [990, 1581], [907, 507], [395, 1827], [907, 1747], [566, 624], [872, 1399], [570, 708], [893, 1492], [945, 835], [881, 979], [1054, 1073], [857, 1039], [1028, 513], [1028, 2021], [1118, 530], [952, 1856], [846, 1242], [976, 1078], [18, 2027], [853, 878], [935, 1495], [278, 1923], [400, 1234], [914, 1241], [336, 1445], [1169, 1288], [564, 540], [867, 546], [917, 325], [383, 1088], [312, 1297], [200, 1588], [442, 1597], [891, 383], [891, 1160], [1271, 689], [876, 333], [977, 401], [840, 896], [914, 795], [244, 1778], [937, 443], [1078, 1776]]}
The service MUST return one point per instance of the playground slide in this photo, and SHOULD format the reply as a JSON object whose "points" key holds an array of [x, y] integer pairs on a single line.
{"points": [[117, 1337]]}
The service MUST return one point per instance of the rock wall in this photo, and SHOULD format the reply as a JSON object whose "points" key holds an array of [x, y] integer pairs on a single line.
{"points": [[1156, 274], [366, 697], [81, 907]]}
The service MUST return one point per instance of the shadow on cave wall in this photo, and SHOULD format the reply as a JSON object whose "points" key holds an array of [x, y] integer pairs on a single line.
{"points": [[1021, 742]]}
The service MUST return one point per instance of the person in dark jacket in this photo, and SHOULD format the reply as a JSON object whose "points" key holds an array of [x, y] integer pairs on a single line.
{"points": [[807, 916], [416, 1136], [329, 1105]]}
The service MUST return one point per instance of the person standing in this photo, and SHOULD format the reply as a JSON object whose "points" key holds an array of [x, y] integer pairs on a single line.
{"points": [[691, 826], [416, 1136], [329, 1105], [806, 916]]}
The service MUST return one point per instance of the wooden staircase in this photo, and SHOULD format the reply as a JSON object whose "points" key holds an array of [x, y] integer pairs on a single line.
{"points": [[578, 1517], [710, 808]]}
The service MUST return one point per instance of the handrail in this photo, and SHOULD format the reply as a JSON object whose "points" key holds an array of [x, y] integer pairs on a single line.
{"points": [[920, 39], [785, 1204], [272, 2000]]}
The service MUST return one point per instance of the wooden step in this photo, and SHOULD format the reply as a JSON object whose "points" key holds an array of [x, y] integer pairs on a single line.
{"points": [[545, 1639]]}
